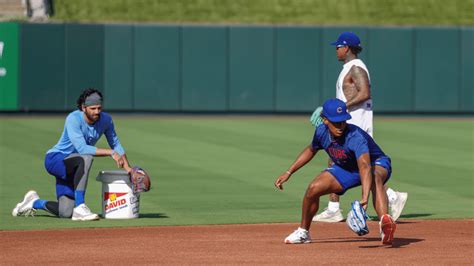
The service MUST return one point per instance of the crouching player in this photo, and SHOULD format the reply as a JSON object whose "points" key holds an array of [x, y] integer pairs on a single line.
{"points": [[70, 160], [358, 160]]}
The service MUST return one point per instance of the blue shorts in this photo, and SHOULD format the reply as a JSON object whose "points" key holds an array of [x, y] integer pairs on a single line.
{"points": [[54, 164], [352, 179]]}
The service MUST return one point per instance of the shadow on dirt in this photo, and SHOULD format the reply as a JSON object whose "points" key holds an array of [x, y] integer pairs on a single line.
{"points": [[397, 243], [405, 216], [415, 215]]}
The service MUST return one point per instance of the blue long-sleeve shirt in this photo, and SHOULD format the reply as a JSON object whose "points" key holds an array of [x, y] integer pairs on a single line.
{"points": [[80, 137]]}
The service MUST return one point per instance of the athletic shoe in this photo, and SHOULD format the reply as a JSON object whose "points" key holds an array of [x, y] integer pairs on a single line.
{"points": [[299, 236], [25, 207], [387, 229], [328, 216], [397, 206], [83, 213]]}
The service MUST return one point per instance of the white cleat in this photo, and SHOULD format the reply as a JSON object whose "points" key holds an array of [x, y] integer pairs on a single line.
{"points": [[396, 207], [328, 216], [83, 213], [25, 207], [299, 236]]}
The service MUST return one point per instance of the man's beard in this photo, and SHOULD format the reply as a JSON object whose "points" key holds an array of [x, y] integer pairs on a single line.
{"points": [[92, 118]]}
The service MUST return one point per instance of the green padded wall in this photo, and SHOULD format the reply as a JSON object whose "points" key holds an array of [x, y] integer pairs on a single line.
{"points": [[298, 73], [42, 67], [251, 68], [84, 60], [437, 69], [156, 68], [467, 70], [9, 58], [239, 68], [118, 67], [391, 69], [204, 68]]}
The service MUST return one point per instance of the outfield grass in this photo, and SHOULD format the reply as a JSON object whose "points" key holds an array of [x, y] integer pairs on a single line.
{"points": [[220, 170], [311, 12]]}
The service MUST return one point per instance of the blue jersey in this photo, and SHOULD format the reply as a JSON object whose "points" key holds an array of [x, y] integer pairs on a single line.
{"points": [[345, 150], [80, 137]]}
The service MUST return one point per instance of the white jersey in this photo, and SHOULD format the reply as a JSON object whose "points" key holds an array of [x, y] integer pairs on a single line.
{"points": [[362, 115]]}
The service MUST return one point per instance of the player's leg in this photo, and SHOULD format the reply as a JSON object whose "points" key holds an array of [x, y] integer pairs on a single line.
{"points": [[62, 208], [65, 207], [379, 197], [77, 171], [396, 202], [396, 199], [333, 213], [31, 201], [323, 184], [381, 174]]}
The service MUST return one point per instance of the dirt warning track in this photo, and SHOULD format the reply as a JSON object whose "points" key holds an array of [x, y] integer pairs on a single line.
{"points": [[416, 242]]}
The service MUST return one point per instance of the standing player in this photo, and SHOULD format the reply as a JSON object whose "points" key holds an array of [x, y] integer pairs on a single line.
{"points": [[71, 158], [353, 87], [358, 160]]}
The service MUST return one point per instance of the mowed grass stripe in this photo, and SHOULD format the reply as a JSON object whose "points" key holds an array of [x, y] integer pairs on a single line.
{"points": [[210, 170]]}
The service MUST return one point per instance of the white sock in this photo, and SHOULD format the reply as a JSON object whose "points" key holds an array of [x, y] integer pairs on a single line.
{"points": [[333, 206], [392, 195], [302, 229]]}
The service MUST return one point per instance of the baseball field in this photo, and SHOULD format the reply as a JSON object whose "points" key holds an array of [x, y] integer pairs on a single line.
{"points": [[213, 200]]}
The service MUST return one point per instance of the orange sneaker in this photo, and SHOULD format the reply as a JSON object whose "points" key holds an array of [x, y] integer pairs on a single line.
{"points": [[387, 229]]}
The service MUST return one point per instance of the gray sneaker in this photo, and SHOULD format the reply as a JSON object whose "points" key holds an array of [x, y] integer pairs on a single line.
{"points": [[396, 207], [25, 208], [83, 213], [328, 216]]}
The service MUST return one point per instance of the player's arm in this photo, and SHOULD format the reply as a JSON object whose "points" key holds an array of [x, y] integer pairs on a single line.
{"points": [[117, 151], [76, 137], [361, 82], [305, 156], [365, 171]]}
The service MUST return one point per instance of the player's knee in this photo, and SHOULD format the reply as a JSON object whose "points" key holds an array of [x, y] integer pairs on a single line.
{"points": [[378, 180], [65, 212], [87, 159], [66, 207], [314, 190]]}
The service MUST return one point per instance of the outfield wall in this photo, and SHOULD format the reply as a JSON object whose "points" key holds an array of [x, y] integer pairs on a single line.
{"points": [[235, 68]]}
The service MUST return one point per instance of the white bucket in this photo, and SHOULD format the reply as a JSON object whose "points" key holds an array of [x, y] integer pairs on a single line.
{"points": [[118, 199]]}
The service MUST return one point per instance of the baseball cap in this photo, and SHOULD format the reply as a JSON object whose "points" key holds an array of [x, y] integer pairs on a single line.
{"points": [[335, 110], [347, 39]]}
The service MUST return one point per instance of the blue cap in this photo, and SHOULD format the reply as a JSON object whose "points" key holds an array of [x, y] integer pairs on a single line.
{"points": [[347, 39], [335, 110]]}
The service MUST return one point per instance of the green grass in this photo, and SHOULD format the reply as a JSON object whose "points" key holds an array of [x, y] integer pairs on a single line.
{"points": [[220, 170], [309, 12]]}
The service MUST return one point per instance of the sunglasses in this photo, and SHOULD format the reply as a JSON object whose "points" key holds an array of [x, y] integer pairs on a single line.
{"points": [[340, 46]]}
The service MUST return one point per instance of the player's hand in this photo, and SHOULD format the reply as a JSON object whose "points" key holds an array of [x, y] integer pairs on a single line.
{"points": [[118, 159], [126, 166], [282, 179]]}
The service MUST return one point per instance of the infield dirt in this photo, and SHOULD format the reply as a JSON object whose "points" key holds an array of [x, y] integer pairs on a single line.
{"points": [[416, 242]]}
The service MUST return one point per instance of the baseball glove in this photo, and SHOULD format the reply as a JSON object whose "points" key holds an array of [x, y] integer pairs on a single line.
{"points": [[140, 180], [316, 119], [357, 219]]}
